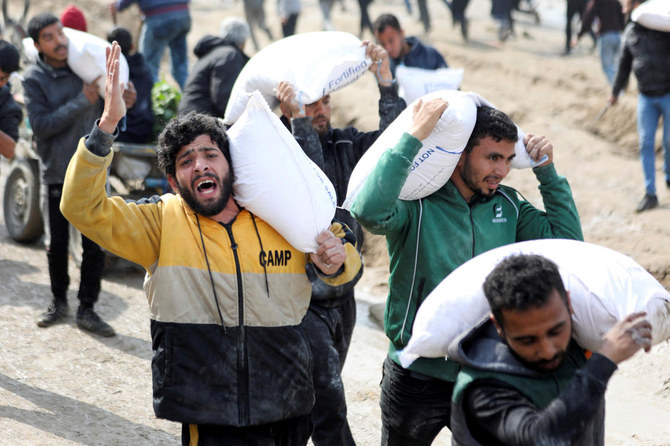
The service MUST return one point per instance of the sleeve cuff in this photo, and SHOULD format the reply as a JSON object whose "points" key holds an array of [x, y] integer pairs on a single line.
{"points": [[100, 142], [301, 125], [545, 174], [600, 368], [388, 92]]}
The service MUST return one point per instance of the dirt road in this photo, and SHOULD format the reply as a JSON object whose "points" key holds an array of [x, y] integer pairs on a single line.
{"points": [[59, 386]]}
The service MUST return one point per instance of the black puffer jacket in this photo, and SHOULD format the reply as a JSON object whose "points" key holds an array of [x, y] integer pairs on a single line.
{"points": [[337, 153], [647, 52], [211, 80]]}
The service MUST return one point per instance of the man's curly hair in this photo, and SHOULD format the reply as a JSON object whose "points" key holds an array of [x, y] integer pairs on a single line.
{"points": [[181, 131], [494, 123]]}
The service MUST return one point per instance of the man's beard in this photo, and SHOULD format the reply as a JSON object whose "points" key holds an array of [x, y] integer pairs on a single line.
{"points": [[208, 210], [470, 180], [322, 129]]}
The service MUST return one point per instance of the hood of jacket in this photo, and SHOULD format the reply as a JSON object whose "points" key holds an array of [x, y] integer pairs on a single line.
{"points": [[208, 43], [484, 349]]}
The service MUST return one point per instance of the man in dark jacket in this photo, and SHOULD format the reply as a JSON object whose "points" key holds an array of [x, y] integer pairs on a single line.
{"points": [[408, 51], [220, 60], [329, 323], [140, 117], [10, 112], [525, 380], [647, 53], [61, 109]]}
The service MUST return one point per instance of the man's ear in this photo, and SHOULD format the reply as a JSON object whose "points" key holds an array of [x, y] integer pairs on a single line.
{"points": [[497, 325], [173, 183]]}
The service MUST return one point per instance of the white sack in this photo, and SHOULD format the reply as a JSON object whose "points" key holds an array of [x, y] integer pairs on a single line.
{"points": [[275, 180], [438, 156], [315, 63], [433, 165], [605, 286], [653, 14], [85, 56], [415, 82], [522, 160]]}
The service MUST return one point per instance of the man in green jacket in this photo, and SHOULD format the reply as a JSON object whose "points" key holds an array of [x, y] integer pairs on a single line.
{"points": [[429, 238]]}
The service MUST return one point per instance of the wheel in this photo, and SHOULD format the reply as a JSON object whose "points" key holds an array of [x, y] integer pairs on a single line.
{"points": [[23, 217]]}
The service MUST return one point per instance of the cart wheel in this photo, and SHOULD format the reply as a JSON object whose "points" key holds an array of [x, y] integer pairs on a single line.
{"points": [[23, 217]]}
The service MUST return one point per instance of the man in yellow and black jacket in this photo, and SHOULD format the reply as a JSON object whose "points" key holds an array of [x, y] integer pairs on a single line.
{"points": [[226, 291]]}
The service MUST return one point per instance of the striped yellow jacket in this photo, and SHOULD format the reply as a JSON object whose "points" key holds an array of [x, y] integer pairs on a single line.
{"points": [[225, 300]]}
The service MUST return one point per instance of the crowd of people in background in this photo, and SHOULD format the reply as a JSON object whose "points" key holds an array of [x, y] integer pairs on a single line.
{"points": [[416, 402]]}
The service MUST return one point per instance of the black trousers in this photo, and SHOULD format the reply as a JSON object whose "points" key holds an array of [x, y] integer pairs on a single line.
{"points": [[291, 432], [415, 407], [329, 331], [93, 258]]}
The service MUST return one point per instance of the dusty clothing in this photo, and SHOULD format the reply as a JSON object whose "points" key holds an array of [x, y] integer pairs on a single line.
{"points": [[225, 300], [332, 313], [338, 152], [420, 254], [647, 53], [498, 400], [212, 78], [59, 115]]}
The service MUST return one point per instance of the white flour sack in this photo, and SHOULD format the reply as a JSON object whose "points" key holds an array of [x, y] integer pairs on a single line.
{"points": [[436, 160], [315, 63], [275, 180], [415, 82], [653, 14], [605, 286], [85, 56], [522, 160]]}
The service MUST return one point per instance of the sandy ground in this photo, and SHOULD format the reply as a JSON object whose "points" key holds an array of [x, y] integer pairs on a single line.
{"points": [[59, 386]]}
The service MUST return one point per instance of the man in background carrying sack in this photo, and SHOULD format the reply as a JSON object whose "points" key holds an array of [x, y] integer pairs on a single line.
{"points": [[330, 320]]}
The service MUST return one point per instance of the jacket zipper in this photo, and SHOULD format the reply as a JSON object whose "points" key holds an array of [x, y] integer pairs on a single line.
{"points": [[242, 360], [472, 227]]}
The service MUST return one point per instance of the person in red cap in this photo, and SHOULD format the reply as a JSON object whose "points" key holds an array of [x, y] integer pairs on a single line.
{"points": [[72, 17]]}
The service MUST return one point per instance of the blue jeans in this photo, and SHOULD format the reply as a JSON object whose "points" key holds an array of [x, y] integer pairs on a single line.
{"points": [[609, 53], [163, 30], [649, 110]]}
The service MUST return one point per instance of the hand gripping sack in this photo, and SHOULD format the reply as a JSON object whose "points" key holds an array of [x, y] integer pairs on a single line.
{"points": [[605, 286], [275, 180], [436, 160], [653, 14], [415, 82], [85, 56], [315, 63]]}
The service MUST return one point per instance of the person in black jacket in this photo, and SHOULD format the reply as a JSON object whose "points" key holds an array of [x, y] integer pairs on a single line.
{"points": [[10, 112], [329, 323], [525, 381], [220, 60], [647, 53], [139, 117]]}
